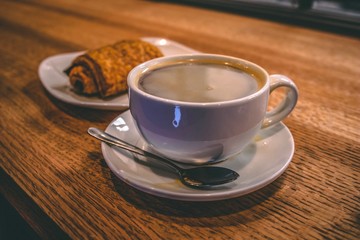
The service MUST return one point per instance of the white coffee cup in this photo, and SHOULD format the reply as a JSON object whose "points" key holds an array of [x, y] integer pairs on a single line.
{"points": [[195, 132]]}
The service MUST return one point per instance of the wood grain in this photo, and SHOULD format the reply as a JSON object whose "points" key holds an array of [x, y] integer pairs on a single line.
{"points": [[46, 152]]}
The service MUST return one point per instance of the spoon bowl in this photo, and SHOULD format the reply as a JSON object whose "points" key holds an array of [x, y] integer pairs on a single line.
{"points": [[197, 177]]}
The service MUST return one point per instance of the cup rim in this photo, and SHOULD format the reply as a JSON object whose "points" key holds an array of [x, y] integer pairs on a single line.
{"points": [[136, 73]]}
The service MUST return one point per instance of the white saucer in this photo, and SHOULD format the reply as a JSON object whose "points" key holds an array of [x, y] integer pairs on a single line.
{"points": [[56, 82], [258, 165]]}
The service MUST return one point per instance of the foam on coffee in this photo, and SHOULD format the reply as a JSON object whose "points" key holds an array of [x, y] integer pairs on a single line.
{"points": [[200, 82]]}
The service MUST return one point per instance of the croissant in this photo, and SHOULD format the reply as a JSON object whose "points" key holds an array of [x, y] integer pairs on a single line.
{"points": [[103, 71]]}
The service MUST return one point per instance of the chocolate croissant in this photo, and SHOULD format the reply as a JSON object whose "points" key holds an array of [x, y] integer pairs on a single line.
{"points": [[103, 71]]}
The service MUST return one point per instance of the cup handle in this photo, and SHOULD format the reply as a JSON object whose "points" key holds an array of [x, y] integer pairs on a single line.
{"points": [[286, 105]]}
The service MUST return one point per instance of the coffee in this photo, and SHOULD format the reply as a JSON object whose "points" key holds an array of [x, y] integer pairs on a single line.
{"points": [[191, 131], [200, 82]]}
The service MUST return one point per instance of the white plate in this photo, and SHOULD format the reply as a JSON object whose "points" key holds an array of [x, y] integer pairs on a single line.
{"points": [[265, 159], [56, 82]]}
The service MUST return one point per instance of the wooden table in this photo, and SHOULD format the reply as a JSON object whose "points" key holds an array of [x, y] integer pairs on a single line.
{"points": [[54, 174]]}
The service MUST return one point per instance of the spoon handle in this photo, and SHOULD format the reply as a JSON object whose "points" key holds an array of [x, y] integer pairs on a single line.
{"points": [[105, 137]]}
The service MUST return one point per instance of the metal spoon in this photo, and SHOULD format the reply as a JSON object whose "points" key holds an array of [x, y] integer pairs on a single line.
{"points": [[197, 177]]}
